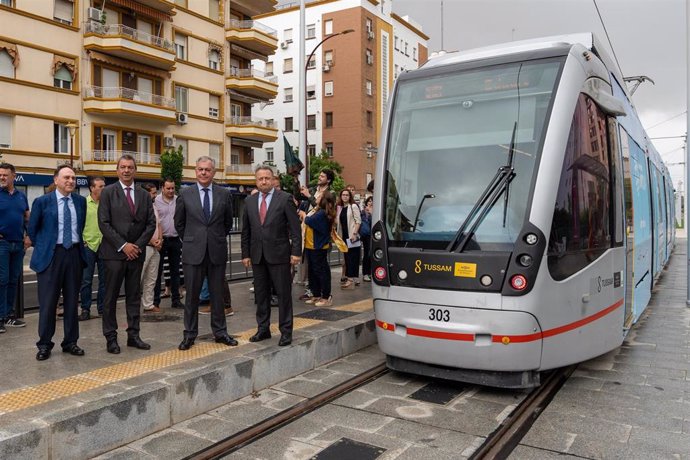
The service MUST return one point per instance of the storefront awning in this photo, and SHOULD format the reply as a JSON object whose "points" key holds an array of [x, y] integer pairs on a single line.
{"points": [[143, 9]]}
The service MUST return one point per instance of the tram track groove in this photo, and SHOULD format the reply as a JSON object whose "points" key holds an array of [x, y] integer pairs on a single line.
{"points": [[253, 433], [508, 435]]}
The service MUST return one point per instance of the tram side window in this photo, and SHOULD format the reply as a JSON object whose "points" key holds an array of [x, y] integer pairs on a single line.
{"points": [[581, 226]]}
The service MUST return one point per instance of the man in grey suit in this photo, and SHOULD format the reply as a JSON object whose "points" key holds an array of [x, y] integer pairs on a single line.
{"points": [[203, 219], [271, 242], [127, 222]]}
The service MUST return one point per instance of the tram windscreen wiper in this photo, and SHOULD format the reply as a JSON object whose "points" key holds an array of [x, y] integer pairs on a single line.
{"points": [[486, 201]]}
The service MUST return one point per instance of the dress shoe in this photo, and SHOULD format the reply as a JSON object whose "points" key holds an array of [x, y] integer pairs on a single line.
{"points": [[84, 316], [113, 347], [178, 304], [73, 349], [186, 344], [259, 336], [43, 354], [285, 340], [226, 340], [153, 309], [136, 342], [229, 311]]}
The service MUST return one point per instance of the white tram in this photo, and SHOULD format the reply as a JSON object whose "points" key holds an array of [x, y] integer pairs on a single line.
{"points": [[522, 215]]}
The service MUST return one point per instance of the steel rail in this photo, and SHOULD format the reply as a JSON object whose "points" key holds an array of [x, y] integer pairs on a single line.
{"points": [[254, 432], [508, 435]]}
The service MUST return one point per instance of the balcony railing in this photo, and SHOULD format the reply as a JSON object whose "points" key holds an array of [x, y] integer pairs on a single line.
{"points": [[249, 24], [134, 34], [111, 156], [130, 94], [239, 169], [247, 73], [251, 121]]}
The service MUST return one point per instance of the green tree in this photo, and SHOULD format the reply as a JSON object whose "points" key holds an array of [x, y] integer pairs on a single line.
{"points": [[321, 161], [172, 162]]}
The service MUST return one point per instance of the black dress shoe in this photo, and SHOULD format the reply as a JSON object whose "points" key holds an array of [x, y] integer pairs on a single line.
{"points": [[84, 316], [178, 304], [73, 349], [227, 340], [285, 340], [113, 347], [186, 344], [136, 342], [259, 336], [43, 354]]}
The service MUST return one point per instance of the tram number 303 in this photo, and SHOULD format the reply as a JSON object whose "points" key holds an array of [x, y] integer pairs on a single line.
{"points": [[437, 314]]}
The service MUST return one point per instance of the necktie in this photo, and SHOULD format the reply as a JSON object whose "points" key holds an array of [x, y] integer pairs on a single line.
{"points": [[207, 205], [129, 200], [67, 224], [262, 208]]}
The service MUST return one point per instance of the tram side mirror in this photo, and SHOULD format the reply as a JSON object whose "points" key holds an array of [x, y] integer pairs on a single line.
{"points": [[599, 91]]}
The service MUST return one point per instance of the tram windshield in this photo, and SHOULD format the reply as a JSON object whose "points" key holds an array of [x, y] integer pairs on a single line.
{"points": [[449, 134]]}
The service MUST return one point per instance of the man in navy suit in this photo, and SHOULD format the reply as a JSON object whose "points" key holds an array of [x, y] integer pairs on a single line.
{"points": [[55, 228]]}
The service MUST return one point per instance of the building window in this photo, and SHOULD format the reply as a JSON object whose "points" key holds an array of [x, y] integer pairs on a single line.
{"points": [[328, 122], [214, 10], [6, 65], [5, 131], [328, 57], [370, 119], [311, 31], [406, 53], [396, 71], [269, 155], [64, 11], [62, 78], [414, 53], [311, 150], [396, 44], [311, 92], [287, 65], [269, 68], [370, 57], [213, 106], [329, 148], [181, 46], [288, 124], [214, 152], [287, 35], [60, 138], [235, 156], [311, 63], [328, 88], [370, 88], [311, 121], [214, 60], [235, 110], [181, 96], [288, 94], [328, 27], [6, 3]]}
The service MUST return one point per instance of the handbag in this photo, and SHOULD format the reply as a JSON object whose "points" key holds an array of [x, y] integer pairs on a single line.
{"points": [[337, 240]]}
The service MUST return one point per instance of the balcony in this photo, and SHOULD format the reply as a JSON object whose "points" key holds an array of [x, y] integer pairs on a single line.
{"points": [[128, 102], [253, 83], [253, 36], [253, 7], [239, 170], [131, 44], [252, 128], [103, 160]]}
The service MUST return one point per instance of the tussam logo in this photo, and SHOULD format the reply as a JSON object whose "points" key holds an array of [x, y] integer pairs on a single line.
{"points": [[603, 282]]}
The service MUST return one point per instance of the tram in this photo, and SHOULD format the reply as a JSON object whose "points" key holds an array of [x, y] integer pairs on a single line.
{"points": [[522, 215]]}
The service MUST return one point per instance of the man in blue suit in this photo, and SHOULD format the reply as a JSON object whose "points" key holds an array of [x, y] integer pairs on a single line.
{"points": [[55, 228]]}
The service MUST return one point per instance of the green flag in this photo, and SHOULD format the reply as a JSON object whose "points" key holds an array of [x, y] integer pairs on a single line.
{"points": [[293, 165]]}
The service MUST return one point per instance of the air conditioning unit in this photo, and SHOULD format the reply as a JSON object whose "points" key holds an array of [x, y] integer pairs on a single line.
{"points": [[370, 60], [370, 154], [169, 141], [329, 62], [284, 45], [370, 34], [326, 68], [182, 118], [95, 14]]}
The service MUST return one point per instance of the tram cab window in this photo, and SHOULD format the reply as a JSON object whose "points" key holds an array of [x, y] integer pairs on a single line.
{"points": [[581, 226]]}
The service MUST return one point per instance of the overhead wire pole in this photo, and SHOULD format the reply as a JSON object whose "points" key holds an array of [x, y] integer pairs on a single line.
{"points": [[687, 147], [304, 175]]}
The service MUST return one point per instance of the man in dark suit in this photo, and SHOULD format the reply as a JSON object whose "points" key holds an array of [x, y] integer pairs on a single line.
{"points": [[271, 242], [203, 219], [55, 228], [127, 222]]}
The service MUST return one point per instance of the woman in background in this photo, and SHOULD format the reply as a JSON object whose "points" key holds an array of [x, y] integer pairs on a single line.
{"points": [[317, 244], [348, 220]]}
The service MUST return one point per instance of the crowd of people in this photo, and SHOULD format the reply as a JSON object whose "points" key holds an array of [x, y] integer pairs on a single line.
{"points": [[128, 234]]}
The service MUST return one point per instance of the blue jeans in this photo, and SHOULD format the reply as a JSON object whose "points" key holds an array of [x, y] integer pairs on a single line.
{"points": [[11, 264], [85, 294], [205, 294]]}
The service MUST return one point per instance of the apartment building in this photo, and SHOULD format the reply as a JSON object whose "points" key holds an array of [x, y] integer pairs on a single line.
{"points": [[88, 80], [349, 78]]}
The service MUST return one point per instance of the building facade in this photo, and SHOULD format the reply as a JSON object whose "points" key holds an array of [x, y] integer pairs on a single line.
{"points": [[359, 47], [85, 81]]}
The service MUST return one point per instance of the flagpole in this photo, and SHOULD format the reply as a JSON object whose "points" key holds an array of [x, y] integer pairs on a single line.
{"points": [[304, 176]]}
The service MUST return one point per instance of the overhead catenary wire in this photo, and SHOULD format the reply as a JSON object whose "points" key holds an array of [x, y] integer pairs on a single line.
{"points": [[667, 120], [601, 19]]}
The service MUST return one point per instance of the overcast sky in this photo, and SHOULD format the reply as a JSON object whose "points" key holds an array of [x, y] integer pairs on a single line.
{"points": [[648, 37]]}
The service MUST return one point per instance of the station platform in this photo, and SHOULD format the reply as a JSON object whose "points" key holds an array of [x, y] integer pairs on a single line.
{"points": [[79, 407]]}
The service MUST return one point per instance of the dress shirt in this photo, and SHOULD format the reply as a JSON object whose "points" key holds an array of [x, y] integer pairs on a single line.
{"points": [[210, 195], [61, 217], [92, 234], [269, 197], [166, 212], [131, 192]]}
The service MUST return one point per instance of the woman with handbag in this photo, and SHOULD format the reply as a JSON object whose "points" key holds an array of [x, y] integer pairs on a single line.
{"points": [[317, 244], [348, 220]]}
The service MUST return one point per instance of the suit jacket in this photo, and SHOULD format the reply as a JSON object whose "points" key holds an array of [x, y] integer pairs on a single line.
{"points": [[117, 224], [43, 228], [279, 237], [199, 236]]}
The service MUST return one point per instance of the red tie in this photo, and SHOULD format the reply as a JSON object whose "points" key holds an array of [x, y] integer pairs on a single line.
{"points": [[262, 208], [129, 200]]}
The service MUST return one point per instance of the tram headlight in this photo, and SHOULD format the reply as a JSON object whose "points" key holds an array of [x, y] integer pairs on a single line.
{"points": [[525, 260], [378, 235], [531, 239], [380, 273], [378, 254], [486, 280], [518, 282], [402, 274]]}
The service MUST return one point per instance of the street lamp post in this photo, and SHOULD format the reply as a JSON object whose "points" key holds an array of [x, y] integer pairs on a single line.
{"points": [[72, 130], [306, 115]]}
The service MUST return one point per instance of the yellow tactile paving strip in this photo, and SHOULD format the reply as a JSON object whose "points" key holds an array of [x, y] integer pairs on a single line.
{"points": [[24, 398]]}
